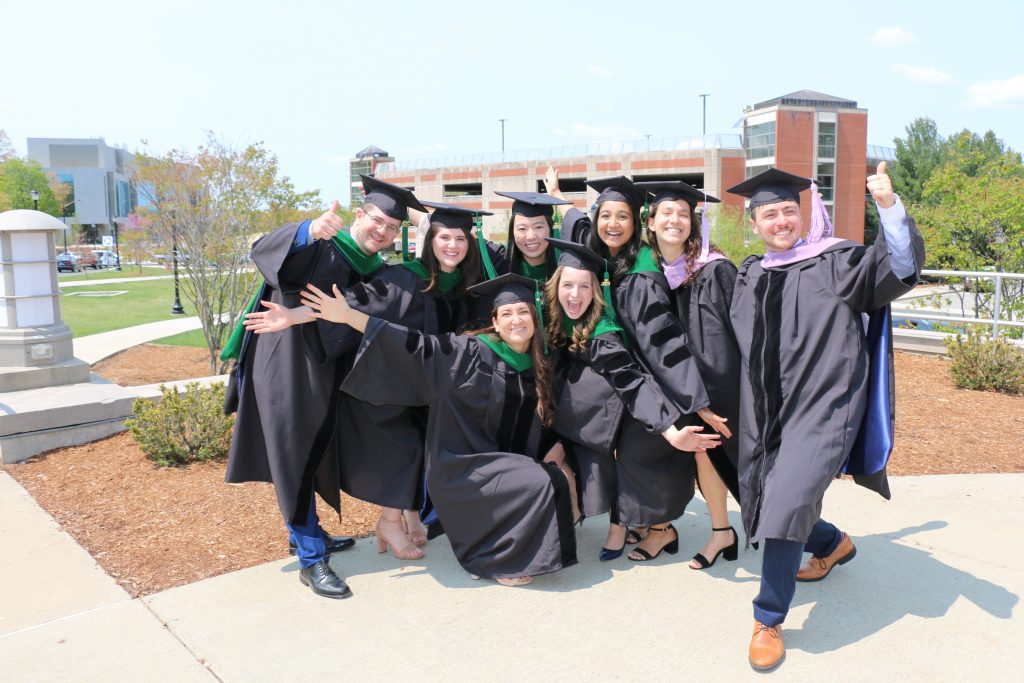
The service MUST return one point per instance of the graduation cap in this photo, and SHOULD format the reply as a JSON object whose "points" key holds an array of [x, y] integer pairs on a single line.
{"points": [[619, 189], [676, 190], [509, 288], [454, 216], [774, 186], [770, 187], [580, 257], [533, 204], [393, 200]]}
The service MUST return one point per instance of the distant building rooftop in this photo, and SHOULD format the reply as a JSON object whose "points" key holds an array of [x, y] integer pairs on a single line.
{"points": [[371, 151], [808, 98]]}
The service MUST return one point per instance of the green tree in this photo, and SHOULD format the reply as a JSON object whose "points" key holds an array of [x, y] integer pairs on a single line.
{"points": [[730, 232], [18, 177], [6, 148], [213, 203], [916, 158]]}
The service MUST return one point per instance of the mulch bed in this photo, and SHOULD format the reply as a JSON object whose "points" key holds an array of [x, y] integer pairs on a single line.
{"points": [[153, 529]]}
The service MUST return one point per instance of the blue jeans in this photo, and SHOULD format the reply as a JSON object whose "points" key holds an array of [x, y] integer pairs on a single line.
{"points": [[779, 566]]}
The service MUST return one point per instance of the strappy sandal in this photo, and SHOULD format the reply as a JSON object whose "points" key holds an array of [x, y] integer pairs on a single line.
{"points": [[672, 547], [730, 552], [633, 536]]}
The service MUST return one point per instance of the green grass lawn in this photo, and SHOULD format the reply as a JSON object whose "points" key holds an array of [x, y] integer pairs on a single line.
{"points": [[143, 302], [190, 338]]}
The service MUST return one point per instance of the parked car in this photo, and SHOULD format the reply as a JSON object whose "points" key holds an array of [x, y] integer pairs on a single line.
{"points": [[67, 262], [86, 259], [105, 259]]}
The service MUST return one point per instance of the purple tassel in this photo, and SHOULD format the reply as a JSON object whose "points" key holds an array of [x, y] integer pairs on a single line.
{"points": [[821, 225]]}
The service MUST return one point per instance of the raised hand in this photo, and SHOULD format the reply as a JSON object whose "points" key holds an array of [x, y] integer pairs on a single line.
{"points": [[328, 224], [551, 183], [880, 187]]}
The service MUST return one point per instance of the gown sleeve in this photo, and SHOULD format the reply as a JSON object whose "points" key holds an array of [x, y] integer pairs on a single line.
{"points": [[637, 390], [576, 226], [285, 270], [396, 365], [863, 277], [658, 340]]}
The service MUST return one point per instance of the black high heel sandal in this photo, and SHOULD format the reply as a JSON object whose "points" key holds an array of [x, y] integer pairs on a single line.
{"points": [[730, 552], [672, 547]]}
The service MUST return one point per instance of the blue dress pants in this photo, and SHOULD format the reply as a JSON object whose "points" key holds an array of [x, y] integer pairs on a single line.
{"points": [[308, 538], [779, 566]]}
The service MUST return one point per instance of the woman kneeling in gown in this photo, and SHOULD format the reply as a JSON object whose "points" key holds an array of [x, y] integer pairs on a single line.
{"points": [[506, 512]]}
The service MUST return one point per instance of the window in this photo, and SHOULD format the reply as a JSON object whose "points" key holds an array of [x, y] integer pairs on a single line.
{"points": [[463, 190], [826, 140], [761, 140], [567, 185], [826, 179]]}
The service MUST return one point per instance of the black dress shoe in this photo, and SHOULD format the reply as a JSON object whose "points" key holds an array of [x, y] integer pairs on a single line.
{"points": [[323, 581], [332, 544]]}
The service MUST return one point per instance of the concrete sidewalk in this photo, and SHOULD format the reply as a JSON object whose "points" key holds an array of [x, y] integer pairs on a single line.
{"points": [[95, 347], [933, 594]]}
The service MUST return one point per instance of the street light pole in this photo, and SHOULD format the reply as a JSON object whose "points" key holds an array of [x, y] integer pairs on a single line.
{"points": [[503, 138], [35, 199], [177, 308], [117, 251], [64, 216], [704, 104]]}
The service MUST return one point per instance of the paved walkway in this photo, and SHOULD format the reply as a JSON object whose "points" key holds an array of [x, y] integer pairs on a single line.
{"points": [[934, 594], [113, 280], [95, 347]]}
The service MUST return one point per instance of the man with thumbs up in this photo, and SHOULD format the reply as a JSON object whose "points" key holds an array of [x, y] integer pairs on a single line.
{"points": [[286, 400], [799, 316]]}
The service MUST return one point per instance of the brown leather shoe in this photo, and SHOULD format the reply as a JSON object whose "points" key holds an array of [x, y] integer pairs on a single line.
{"points": [[766, 648], [817, 568]]}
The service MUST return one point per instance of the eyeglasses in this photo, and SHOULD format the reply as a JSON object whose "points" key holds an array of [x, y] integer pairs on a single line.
{"points": [[380, 224]]}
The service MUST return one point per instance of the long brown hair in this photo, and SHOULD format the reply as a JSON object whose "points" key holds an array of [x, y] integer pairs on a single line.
{"points": [[691, 248], [471, 266], [583, 328], [541, 366]]}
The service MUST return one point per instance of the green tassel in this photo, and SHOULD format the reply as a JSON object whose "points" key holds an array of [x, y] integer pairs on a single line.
{"points": [[405, 242], [485, 257], [556, 228], [540, 316], [606, 289]]}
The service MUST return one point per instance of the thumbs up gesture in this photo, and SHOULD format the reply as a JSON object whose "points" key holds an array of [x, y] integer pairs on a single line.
{"points": [[328, 224], [880, 187]]}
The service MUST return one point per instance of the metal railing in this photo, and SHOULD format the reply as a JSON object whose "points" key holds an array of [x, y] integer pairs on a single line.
{"points": [[996, 320], [673, 144]]}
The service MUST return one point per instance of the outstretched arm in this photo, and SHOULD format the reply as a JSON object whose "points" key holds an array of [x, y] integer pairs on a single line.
{"points": [[276, 318], [334, 308]]}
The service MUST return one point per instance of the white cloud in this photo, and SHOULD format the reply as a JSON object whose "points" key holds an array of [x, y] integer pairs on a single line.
{"points": [[600, 72], [560, 132], [892, 36], [926, 75], [604, 132], [997, 94]]}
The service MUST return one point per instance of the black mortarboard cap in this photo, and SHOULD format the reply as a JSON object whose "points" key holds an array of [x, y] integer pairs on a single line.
{"points": [[619, 189], [393, 200], [675, 189], [533, 204], [771, 187], [453, 215], [507, 289], [578, 256]]}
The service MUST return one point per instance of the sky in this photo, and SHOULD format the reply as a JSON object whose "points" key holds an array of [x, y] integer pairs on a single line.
{"points": [[317, 81]]}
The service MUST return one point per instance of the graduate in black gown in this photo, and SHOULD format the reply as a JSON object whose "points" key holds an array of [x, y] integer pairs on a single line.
{"points": [[799, 316], [506, 512], [526, 252], [702, 278], [599, 386], [380, 449], [286, 400], [644, 308]]}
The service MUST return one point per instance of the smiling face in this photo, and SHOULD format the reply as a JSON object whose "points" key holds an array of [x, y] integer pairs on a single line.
{"points": [[514, 324], [372, 230], [672, 223], [529, 234], [575, 291], [614, 225], [779, 225], [450, 246]]}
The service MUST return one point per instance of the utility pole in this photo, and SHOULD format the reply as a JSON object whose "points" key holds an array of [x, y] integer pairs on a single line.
{"points": [[704, 104], [503, 138]]}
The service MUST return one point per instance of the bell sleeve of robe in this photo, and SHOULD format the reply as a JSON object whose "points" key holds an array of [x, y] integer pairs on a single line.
{"points": [[863, 278], [576, 226], [399, 366], [389, 297], [283, 268], [636, 389], [659, 341]]}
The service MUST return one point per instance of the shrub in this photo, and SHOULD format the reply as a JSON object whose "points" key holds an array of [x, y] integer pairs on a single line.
{"points": [[184, 426], [979, 362]]}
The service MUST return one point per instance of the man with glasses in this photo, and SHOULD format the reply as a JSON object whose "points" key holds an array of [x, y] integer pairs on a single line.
{"points": [[286, 400]]}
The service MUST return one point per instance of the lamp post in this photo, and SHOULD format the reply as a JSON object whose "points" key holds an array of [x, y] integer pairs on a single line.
{"points": [[117, 251], [64, 217], [177, 308], [35, 199], [503, 138], [704, 104]]}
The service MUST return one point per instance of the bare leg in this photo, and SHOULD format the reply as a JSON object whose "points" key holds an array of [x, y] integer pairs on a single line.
{"points": [[391, 532], [414, 528], [714, 491]]}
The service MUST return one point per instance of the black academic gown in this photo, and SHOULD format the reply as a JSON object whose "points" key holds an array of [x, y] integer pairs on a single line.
{"points": [[380, 447], [600, 387], [804, 375], [702, 305], [646, 312], [506, 513], [284, 397]]}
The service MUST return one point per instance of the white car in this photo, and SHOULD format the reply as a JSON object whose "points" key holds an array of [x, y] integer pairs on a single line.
{"points": [[105, 259]]}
